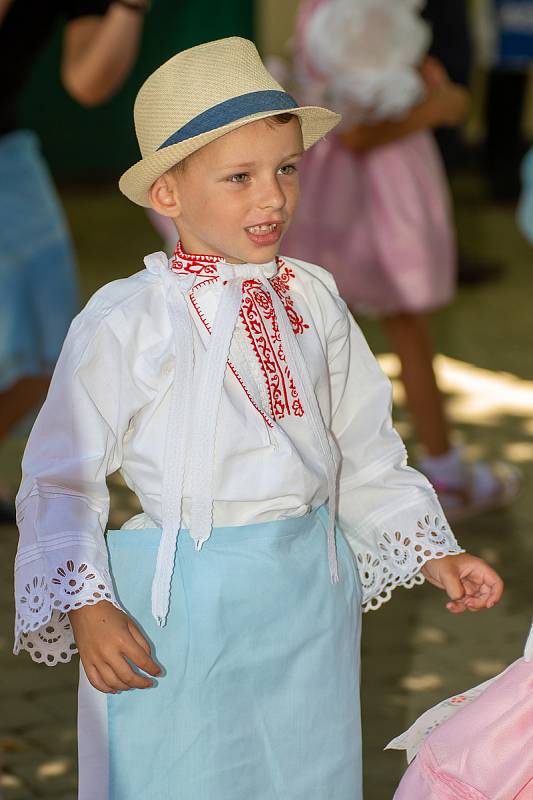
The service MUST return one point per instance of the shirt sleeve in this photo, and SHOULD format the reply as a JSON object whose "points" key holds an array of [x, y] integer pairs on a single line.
{"points": [[388, 512], [63, 501]]}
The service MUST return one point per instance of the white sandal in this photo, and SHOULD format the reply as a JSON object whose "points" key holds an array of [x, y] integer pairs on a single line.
{"points": [[464, 502]]}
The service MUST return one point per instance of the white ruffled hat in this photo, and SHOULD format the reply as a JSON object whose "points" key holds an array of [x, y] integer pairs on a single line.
{"points": [[200, 95]]}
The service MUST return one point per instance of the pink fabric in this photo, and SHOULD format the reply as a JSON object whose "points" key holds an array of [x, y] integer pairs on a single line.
{"points": [[380, 222], [483, 752]]}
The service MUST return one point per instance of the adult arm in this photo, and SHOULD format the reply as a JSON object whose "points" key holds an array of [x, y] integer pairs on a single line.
{"points": [[99, 52], [4, 6]]}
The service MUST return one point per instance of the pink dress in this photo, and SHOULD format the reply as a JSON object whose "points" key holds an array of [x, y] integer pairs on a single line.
{"points": [[484, 751], [380, 221]]}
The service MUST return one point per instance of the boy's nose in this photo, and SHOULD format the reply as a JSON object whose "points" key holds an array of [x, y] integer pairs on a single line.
{"points": [[272, 196]]}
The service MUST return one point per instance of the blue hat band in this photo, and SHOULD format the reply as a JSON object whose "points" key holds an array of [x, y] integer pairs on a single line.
{"points": [[230, 111]]}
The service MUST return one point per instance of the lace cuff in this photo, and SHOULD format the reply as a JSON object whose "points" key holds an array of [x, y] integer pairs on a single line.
{"points": [[46, 589], [395, 556]]}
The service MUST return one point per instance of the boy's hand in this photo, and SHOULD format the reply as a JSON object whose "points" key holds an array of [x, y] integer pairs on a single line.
{"points": [[106, 637], [468, 581]]}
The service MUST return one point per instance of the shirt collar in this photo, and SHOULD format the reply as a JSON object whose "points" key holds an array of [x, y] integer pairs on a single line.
{"points": [[214, 267]]}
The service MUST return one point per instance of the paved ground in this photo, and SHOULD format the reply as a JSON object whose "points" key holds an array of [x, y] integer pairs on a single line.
{"points": [[414, 652]]}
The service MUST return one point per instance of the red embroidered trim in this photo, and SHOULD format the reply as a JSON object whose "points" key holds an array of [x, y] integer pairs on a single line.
{"points": [[207, 326], [280, 283], [259, 319], [189, 264]]}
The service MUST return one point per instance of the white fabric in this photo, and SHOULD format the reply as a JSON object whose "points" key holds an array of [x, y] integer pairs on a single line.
{"points": [[361, 57], [93, 742], [412, 739], [528, 649], [209, 397], [178, 424], [329, 453], [108, 409]]}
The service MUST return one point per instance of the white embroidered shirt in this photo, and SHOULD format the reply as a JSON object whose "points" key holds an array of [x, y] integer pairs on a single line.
{"points": [[109, 409]]}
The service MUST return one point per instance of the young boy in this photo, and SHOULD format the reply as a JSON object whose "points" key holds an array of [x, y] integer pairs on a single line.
{"points": [[240, 402]]}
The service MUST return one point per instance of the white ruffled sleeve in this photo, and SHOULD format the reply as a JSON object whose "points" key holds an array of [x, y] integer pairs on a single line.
{"points": [[361, 58], [388, 512], [63, 501]]}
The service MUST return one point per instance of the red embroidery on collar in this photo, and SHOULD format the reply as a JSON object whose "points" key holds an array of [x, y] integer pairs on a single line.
{"points": [[261, 325], [192, 264]]}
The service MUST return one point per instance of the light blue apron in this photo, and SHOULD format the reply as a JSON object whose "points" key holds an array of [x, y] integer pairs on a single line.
{"points": [[259, 698]]}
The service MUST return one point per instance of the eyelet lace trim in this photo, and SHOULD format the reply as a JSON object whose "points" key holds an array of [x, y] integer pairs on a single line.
{"points": [[43, 629], [399, 557], [42, 626], [413, 738]]}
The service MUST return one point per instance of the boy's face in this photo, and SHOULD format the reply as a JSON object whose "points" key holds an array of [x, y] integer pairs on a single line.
{"points": [[237, 195]]}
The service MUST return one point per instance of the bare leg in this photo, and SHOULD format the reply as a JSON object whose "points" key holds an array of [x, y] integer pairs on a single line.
{"points": [[21, 398], [464, 491], [411, 341]]}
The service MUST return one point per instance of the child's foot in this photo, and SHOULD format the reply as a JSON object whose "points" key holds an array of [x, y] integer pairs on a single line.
{"points": [[466, 490]]}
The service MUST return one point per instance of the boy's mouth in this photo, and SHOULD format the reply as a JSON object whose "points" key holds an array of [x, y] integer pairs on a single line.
{"points": [[266, 228], [266, 234]]}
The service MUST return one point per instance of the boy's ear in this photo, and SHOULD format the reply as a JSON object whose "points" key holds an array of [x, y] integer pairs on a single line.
{"points": [[164, 197]]}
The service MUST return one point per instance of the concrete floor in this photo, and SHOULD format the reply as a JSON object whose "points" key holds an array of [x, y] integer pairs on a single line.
{"points": [[414, 652]]}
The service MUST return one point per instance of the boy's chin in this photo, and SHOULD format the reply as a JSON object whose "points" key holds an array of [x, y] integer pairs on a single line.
{"points": [[262, 254], [264, 257]]}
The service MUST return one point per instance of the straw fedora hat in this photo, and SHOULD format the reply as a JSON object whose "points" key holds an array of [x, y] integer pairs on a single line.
{"points": [[201, 94]]}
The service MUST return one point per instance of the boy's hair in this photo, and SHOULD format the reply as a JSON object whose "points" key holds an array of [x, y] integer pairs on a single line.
{"points": [[278, 119]]}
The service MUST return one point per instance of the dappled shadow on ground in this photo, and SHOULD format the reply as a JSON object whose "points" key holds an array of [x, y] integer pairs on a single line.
{"points": [[414, 653]]}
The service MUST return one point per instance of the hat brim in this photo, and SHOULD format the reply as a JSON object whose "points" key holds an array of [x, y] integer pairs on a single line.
{"points": [[135, 183]]}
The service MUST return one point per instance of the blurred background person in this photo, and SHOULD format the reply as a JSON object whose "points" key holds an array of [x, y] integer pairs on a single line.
{"points": [[37, 270], [375, 208], [451, 45], [505, 27]]}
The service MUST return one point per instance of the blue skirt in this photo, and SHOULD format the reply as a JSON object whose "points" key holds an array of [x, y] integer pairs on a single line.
{"points": [[259, 698], [39, 287]]}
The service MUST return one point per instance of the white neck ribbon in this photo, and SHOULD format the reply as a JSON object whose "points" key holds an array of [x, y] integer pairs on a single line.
{"points": [[193, 421]]}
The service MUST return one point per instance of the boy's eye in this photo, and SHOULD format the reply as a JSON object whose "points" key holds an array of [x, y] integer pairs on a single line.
{"points": [[288, 169], [241, 177]]}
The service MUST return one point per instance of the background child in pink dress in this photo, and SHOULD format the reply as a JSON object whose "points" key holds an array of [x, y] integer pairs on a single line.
{"points": [[375, 208], [479, 744]]}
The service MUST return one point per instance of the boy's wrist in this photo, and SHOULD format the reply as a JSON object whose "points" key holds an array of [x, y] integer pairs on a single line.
{"points": [[91, 610]]}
